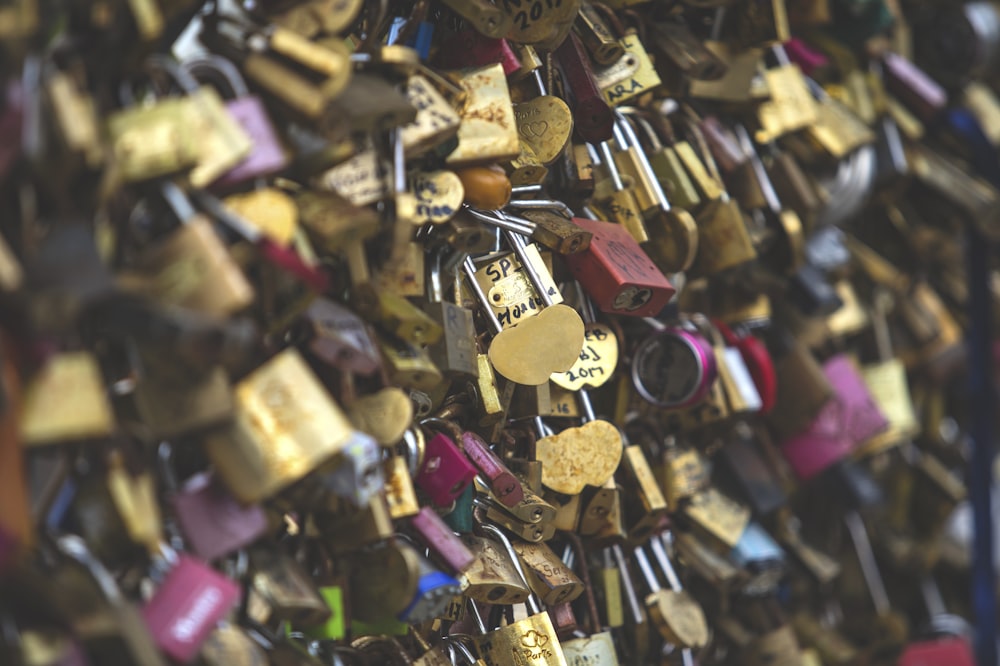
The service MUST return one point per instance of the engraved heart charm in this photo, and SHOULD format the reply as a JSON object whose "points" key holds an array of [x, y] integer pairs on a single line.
{"points": [[545, 123], [536, 129]]}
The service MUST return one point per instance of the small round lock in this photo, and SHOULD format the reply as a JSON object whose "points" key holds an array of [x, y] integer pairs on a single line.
{"points": [[673, 368]]}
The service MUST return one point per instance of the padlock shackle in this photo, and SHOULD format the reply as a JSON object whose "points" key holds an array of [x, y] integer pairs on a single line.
{"points": [[534, 607], [216, 64]]}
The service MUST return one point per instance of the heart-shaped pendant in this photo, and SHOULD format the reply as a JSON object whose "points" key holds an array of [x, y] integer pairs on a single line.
{"points": [[545, 123], [578, 457], [539, 346]]}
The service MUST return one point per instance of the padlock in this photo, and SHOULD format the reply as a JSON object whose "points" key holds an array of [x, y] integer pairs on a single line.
{"points": [[445, 471], [616, 194], [190, 599], [532, 519], [224, 143], [594, 645], [686, 52], [549, 578], [191, 267], [596, 36], [434, 593], [444, 545], [267, 155], [492, 576], [599, 356], [488, 19], [545, 124], [285, 426], [281, 590], [488, 130], [886, 379], [213, 523], [845, 422], [617, 273], [530, 639], [273, 57], [717, 517], [632, 75], [645, 507], [747, 467], [680, 385], [762, 558], [556, 331], [540, 24], [455, 352], [85, 409]]}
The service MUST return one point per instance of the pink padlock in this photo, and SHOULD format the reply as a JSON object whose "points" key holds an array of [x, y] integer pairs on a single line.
{"points": [[445, 546], [446, 472], [468, 48], [505, 486], [213, 522], [849, 418], [185, 609], [267, 156]]}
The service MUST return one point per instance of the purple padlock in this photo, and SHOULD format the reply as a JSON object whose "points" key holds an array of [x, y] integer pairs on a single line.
{"points": [[185, 609], [212, 521], [446, 472], [847, 420], [268, 156]]}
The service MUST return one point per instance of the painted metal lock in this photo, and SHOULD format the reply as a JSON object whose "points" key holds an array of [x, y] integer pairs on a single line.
{"points": [[444, 545], [445, 472], [674, 367], [190, 601], [617, 273], [504, 486], [951, 651], [846, 421], [213, 522], [469, 48]]}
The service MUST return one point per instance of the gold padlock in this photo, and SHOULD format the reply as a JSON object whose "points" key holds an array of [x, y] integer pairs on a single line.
{"points": [[285, 425]]}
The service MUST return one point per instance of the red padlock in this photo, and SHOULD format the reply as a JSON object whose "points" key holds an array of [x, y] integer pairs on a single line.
{"points": [[617, 274], [942, 652], [759, 362]]}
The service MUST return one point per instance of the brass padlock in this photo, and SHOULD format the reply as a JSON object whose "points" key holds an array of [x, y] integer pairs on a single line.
{"points": [[285, 425], [531, 640]]}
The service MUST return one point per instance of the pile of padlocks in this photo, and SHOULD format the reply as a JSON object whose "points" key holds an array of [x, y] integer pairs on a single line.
{"points": [[504, 332]]}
